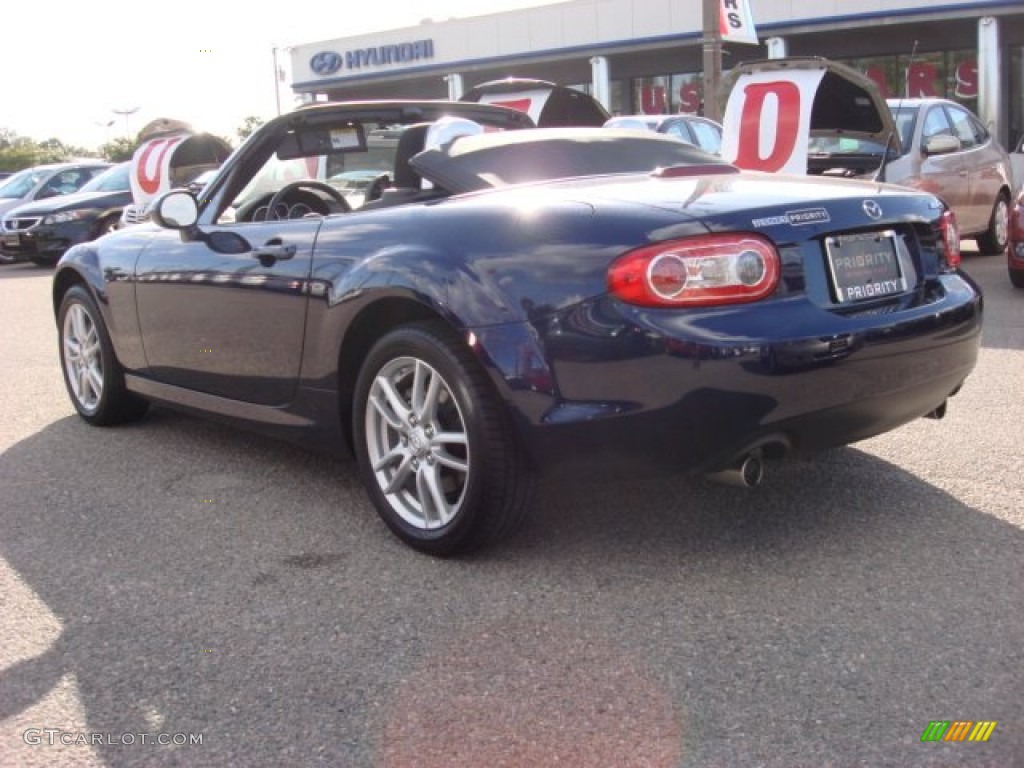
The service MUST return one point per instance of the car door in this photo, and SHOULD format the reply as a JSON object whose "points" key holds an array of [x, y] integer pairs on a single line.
{"points": [[982, 160], [946, 175], [221, 314]]}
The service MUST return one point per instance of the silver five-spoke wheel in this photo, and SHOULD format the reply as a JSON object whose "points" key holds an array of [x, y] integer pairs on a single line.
{"points": [[417, 443], [83, 358], [437, 451], [94, 378]]}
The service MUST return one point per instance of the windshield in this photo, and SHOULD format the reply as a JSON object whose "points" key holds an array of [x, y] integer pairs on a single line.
{"points": [[904, 117], [21, 183], [111, 180], [545, 154]]}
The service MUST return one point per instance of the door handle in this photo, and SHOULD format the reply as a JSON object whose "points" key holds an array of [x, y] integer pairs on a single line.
{"points": [[273, 250]]}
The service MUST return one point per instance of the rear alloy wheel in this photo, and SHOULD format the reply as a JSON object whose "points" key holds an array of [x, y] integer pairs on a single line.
{"points": [[92, 374], [997, 235], [435, 447]]}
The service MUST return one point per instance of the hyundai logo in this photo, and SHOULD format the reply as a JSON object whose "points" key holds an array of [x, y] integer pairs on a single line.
{"points": [[325, 62], [872, 209]]}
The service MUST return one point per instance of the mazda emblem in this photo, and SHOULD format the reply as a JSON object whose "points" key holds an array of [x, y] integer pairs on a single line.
{"points": [[872, 209]]}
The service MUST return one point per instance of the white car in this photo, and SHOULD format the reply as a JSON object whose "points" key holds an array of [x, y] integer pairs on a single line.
{"points": [[693, 129]]}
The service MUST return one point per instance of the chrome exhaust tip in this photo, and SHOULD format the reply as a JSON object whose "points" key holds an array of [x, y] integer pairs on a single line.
{"points": [[748, 472]]}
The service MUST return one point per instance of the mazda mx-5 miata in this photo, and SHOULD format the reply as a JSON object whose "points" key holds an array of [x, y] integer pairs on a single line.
{"points": [[516, 295]]}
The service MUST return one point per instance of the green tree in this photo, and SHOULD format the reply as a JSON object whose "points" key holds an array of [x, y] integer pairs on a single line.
{"points": [[118, 150], [17, 152], [248, 127]]}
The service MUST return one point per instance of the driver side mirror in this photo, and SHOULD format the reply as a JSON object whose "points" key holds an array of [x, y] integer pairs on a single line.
{"points": [[176, 209], [179, 210], [941, 145]]}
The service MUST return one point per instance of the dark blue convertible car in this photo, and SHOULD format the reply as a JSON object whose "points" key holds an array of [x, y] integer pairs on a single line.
{"points": [[507, 295]]}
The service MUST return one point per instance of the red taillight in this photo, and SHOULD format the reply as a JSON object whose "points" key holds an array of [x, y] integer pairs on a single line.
{"points": [[697, 272], [950, 238]]}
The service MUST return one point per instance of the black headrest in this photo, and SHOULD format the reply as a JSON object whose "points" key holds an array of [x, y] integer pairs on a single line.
{"points": [[410, 143]]}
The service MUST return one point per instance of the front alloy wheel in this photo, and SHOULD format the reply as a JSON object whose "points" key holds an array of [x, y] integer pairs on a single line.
{"points": [[94, 378], [435, 445], [83, 358]]}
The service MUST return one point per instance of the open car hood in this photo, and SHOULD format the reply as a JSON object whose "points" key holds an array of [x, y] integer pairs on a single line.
{"points": [[809, 98], [548, 104]]}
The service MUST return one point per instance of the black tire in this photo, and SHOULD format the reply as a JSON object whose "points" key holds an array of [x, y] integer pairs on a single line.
{"points": [[92, 375], [996, 237], [459, 475], [43, 261], [1017, 277]]}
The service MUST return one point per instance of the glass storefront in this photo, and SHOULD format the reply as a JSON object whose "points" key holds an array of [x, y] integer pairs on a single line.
{"points": [[946, 74], [667, 94], [1015, 106]]}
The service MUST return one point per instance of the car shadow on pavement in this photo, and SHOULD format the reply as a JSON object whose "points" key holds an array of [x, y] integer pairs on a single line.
{"points": [[9, 271], [1003, 329], [202, 581]]}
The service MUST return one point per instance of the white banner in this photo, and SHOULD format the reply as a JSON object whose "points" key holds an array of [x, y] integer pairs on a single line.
{"points": [[531, 101], [767, 121], [736, 22], [151, 167]]}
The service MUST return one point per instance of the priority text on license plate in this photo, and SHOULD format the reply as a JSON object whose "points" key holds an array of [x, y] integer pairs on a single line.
{"points": [[864, 266]]}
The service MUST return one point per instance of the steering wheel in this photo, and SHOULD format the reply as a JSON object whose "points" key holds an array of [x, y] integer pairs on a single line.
{"points": [[309, 184]]}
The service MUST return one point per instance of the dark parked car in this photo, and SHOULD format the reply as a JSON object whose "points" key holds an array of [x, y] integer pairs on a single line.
{"points": [[43, 181], [43, 230], [694, 129], [523, 295]]}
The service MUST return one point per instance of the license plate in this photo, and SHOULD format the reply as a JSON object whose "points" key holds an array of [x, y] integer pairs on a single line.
{"points": [[865, 266], [11, 241]]}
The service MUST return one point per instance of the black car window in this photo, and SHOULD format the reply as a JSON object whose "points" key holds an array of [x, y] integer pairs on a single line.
{"points": [[678, 130], [65, 182], [979, 130], [20, 184], [935, 124], [708, 137], [111, 180], [962, 127]]}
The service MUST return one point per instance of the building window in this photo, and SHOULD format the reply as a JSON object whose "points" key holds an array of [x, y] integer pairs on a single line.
{"points": [[668, 94], [946, 75]]}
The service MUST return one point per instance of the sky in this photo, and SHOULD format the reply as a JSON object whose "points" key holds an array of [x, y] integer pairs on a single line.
{"points": [[70, 66]]}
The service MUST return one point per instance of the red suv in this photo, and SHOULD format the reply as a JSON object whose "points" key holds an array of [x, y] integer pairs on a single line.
{"points": [[1015, 253]]}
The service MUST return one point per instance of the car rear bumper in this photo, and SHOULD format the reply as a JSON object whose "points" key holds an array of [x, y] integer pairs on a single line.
{"points": [[696, 391]]}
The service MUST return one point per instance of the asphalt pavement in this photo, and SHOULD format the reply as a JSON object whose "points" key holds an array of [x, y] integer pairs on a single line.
{"points": [[178, 592]]}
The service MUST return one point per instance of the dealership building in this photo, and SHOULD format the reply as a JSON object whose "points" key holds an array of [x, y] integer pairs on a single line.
{"points": [[647, 55]]}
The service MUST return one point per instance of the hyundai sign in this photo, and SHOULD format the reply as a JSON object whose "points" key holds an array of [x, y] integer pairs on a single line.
{"points": [[324, 63]]}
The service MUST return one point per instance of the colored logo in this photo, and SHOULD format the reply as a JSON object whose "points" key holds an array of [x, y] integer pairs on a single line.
{"points": [[958, 730], [325, 62]]}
